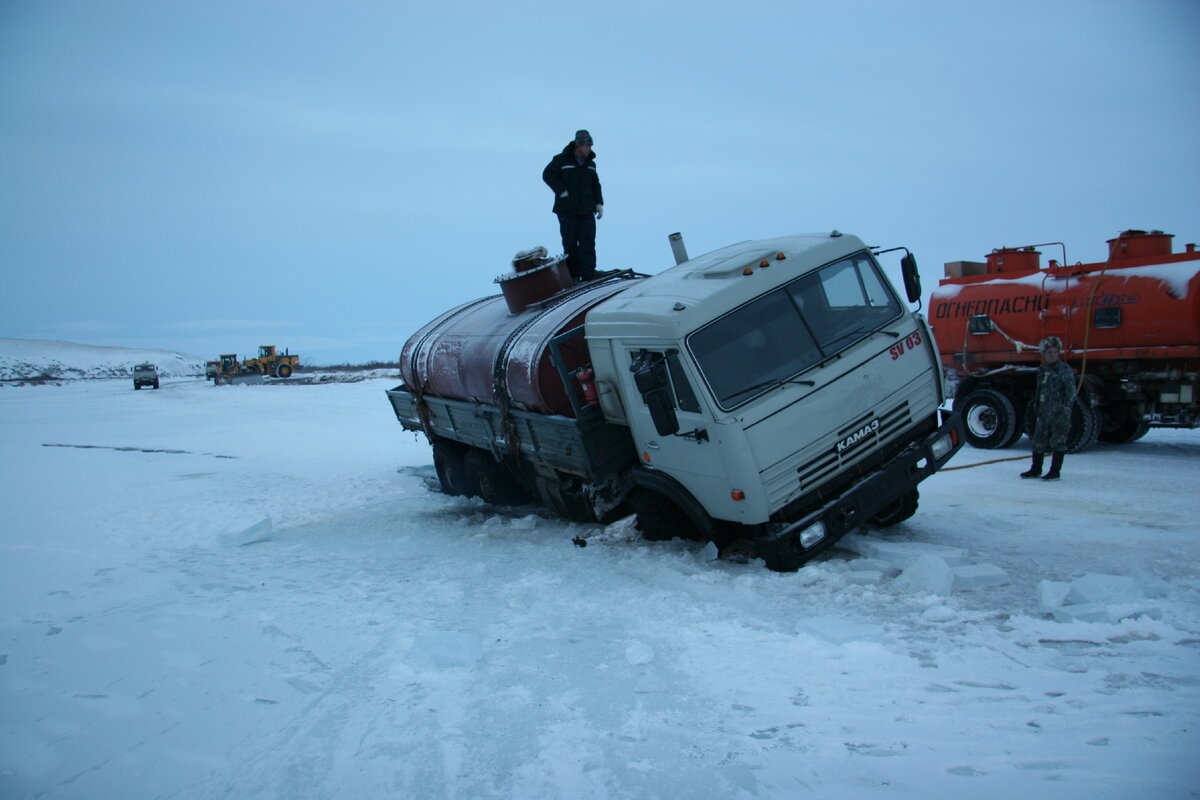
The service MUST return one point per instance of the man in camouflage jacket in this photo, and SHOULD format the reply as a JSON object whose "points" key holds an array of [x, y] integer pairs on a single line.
{"points": [[1051, 409]]}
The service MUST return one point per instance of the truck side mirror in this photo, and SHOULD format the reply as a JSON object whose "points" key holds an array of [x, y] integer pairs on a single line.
{"points": [[650, 377], [912, 278]]}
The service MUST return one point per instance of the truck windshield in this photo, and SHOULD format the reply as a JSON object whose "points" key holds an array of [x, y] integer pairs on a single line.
{"points": [[779, 335]]}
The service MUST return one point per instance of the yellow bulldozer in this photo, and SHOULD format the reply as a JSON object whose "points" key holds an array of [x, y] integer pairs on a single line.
{"points": [[268, 362]]}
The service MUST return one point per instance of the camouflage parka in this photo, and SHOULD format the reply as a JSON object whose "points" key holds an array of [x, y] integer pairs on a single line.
{"points": [[1050, 407]]}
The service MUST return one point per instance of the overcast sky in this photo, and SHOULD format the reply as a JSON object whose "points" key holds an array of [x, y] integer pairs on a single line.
{"points": [[213, 175]]}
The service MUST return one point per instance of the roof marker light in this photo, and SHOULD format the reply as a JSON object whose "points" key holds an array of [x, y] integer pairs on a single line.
{"points": [[738, 494], [780, 256], [748, 271]]}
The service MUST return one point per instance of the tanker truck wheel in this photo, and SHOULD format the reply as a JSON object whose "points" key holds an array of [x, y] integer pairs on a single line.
{"points": [[488, 479], [451, 471], [1128, 426], [659, 519], [989, 417], [898, 511], [1085, 425]]}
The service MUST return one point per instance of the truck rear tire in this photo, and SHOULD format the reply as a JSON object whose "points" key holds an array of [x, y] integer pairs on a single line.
{"points": [[488, 479], [451, 471], [989, 418], [1085, 425]]}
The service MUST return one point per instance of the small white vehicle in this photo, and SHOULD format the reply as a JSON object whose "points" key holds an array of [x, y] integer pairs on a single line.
{"points": [[145, 374]]}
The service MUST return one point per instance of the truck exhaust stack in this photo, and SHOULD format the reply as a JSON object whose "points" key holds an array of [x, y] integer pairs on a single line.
{"points": [[677, 247]]}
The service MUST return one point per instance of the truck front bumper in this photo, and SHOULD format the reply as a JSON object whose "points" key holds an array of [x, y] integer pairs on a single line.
{"points": [[789, 546]]}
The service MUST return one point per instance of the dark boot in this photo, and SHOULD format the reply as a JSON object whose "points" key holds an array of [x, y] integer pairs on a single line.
{"points": [[1055, 468], [1035, 470]]}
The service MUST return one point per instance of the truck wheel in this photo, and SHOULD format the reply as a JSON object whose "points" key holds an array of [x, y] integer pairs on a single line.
{"points": [[1019, 427], [1085, 425], [451, 471], [156, 383], [1128, 426], [659, 519], [898, 511], [488, 479], [283, 371], [989, 417]]}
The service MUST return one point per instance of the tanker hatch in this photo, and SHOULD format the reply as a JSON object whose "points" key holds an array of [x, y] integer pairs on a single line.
{"points": [[1139, 244], [1013, 259], [534, 277]]}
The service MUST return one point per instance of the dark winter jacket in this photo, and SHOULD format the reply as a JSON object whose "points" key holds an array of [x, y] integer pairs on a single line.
{"points": [[1051, 407], [580, 182]]}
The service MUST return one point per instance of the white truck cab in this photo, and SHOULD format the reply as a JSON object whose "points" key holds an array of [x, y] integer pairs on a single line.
{"points": [[759, 374]]}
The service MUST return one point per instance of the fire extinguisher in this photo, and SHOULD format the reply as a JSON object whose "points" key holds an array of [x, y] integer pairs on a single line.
{"points": [[586, 377]]}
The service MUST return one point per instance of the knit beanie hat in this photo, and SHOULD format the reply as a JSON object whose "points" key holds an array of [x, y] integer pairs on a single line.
{"points": [[1050, 341], [582, 137]]}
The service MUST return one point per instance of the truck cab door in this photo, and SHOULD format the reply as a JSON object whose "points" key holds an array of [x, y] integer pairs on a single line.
{"points": [[673, 431]]}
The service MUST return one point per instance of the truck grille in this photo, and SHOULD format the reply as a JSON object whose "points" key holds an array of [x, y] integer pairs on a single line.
{"points": [[853, 442]]}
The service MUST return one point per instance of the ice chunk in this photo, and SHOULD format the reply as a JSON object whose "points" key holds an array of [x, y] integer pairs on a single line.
{"points": [[977, 576], [1093, 588], [903, 555], [874, 565], [928, 573], [1121, 611], [864, 577], [445, 649], [527, 522], [1083, 612], [1152, 585], [258, 532], [837, 630], [708, 552], [939, 613], [1051, 595]]}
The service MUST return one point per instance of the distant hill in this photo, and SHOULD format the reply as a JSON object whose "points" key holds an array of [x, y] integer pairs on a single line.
{"points": [[33, 359]]}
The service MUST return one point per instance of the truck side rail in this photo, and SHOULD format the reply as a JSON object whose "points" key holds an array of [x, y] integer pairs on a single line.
{"points": [[589, 446]]}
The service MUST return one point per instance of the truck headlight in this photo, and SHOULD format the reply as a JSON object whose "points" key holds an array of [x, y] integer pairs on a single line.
{"points": [[941, 446], [812, 534]]}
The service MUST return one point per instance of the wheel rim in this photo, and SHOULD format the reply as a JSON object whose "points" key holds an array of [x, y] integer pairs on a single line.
{"points": [[981, 421]]}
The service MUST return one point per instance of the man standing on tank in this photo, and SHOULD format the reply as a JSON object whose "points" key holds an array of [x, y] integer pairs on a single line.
{"points": [[578, 202], [1051, 409]]}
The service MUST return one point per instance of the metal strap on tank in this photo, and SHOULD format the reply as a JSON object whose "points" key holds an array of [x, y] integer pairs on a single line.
{"points": [[499, 366]]}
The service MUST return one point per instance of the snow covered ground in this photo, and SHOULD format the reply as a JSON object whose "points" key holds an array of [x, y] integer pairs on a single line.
{"points": [[251, 592]]}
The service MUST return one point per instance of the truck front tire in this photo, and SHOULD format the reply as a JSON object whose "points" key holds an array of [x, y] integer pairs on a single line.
{"points": [[659, 519], [898, 511]]}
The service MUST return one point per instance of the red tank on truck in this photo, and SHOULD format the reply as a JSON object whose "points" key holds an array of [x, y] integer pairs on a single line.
{"points": [[1130, 328], [770, 396]]}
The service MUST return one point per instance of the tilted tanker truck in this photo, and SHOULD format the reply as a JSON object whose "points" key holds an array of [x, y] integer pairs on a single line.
{"points": [[770, 396], [1130, 328]]}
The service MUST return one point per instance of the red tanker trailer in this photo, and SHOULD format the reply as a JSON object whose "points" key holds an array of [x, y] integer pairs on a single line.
{"points": [[1130, 328]]}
